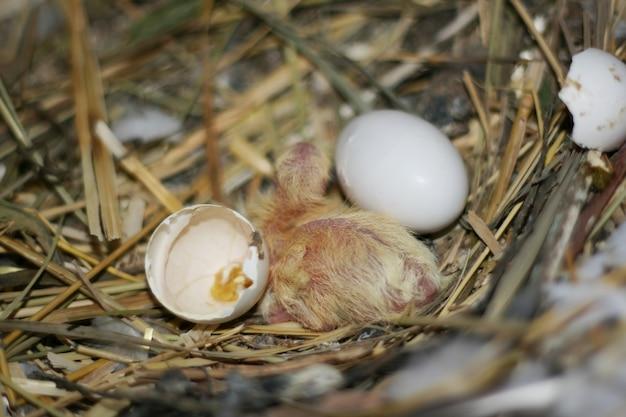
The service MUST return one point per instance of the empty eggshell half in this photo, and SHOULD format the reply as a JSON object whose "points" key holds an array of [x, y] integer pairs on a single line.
{"points": [[207, 264], [595, 94]]}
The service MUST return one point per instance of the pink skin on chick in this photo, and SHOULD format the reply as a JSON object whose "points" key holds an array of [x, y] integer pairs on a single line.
{"points": [[332, 265]]}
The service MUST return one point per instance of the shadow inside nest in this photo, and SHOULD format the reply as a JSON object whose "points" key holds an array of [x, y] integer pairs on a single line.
{"points": [[174, 394]]}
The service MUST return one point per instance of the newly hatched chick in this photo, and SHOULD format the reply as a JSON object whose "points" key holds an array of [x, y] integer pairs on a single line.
{"points": [[331, 265]]}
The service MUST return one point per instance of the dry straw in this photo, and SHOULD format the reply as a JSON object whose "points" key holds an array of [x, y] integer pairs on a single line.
{"points": [[245, 79]]}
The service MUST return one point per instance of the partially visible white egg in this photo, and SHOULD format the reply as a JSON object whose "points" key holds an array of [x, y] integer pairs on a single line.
{"points": [[395, 163], [207, 264], [595, 94]]}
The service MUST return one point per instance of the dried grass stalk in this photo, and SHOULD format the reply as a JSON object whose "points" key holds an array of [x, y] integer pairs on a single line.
{"points": [[133, 166], [97, 164]]}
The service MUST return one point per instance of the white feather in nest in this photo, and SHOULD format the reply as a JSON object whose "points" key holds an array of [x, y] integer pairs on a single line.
{"points": [[312, 381], [587, 391], [145, 123], [611, 255], [594, 385], [448, 363], [112, 324], [604, 300], [592, 389]]}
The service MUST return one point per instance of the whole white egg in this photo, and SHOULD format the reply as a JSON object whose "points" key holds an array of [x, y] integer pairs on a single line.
{"points": [[400, 165], [595, 94]]}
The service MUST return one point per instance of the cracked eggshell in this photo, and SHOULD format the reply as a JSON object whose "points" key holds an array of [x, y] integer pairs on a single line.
{"points": [[191, 248], [595, 94]]}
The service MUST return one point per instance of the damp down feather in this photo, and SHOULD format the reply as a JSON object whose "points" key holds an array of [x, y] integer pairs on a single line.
{"points": [[332, 265]]}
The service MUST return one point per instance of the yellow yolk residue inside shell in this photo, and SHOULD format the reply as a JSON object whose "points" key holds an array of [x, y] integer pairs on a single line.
{"points": [[225, 288]]}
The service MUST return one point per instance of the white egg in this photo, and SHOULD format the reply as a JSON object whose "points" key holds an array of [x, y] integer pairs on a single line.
{"points": [[595, 94], [395, 163], [207, 264]]}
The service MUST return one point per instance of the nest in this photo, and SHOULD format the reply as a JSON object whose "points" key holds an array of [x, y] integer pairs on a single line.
{"points": [[205, 96]]}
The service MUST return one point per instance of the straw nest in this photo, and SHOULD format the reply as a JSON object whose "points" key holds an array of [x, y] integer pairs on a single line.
{"points": [[206, 95]]}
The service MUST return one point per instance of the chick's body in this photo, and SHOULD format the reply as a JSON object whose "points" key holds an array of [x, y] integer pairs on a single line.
{"points": [[331, 265]]}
